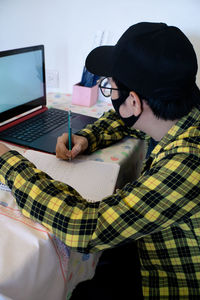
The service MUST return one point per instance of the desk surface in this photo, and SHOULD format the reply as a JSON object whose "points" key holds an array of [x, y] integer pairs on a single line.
{"points": [[42, 267]]}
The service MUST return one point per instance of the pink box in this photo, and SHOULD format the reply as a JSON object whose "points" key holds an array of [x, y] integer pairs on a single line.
{"points": [[86, 96]]}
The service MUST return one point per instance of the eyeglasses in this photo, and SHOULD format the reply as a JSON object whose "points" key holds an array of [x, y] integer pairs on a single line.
{"points": [[106, 88]]}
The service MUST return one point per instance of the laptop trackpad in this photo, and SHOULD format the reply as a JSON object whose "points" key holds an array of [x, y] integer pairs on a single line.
{"points": [[46, 143]]}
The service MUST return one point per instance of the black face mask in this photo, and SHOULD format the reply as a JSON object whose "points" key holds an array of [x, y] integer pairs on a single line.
{"points": [[130, 121]]}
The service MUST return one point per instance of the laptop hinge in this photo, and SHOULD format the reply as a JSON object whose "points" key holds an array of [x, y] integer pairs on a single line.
{"points": [[22, 117]]}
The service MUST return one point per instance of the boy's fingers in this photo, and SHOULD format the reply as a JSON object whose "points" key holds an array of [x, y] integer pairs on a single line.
{"points": [[79, 143], [61, 150], [76, 150]]}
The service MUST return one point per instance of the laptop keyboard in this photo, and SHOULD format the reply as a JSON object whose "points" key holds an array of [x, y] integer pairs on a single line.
{"points": [[37, 126]]}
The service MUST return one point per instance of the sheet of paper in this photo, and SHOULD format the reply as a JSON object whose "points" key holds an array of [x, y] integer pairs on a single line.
{"points": [[92, 179]]}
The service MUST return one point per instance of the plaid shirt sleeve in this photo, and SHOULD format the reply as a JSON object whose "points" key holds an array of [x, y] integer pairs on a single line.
{"points": [[152, 203], [108, 130]]}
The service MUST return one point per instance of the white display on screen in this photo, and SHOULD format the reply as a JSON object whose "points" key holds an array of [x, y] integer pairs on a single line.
{"points": [[21, 79]]}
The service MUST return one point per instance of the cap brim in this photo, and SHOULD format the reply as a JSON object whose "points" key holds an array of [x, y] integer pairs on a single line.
{"points": [[100, 61]]}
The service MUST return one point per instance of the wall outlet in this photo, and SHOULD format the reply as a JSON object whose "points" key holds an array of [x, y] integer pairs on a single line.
{"points": [[52, 78]]}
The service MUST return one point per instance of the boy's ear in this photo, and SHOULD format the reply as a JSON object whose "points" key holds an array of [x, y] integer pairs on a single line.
{"points": [[136, 103]]}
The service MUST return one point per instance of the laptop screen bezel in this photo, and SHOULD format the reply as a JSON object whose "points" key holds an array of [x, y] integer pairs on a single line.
{"points": [[41, 101]]}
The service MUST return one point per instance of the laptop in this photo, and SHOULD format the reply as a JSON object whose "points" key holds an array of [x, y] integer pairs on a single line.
{"points": [[24, 117]]}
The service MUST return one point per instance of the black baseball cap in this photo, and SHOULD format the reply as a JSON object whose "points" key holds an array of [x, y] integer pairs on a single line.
{"points": [[152, 59]]}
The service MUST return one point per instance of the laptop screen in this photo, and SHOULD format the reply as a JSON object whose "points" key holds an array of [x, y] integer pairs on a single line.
{"points": [[22, 81]]}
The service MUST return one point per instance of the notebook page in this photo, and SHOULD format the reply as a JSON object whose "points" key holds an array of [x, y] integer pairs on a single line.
{"points": [[92, 179]]}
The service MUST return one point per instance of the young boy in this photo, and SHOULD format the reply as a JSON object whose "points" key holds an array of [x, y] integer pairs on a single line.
{"points": [[150, 75]]}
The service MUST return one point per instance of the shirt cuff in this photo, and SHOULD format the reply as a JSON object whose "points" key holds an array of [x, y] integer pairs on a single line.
{"points": [[85, 134]]}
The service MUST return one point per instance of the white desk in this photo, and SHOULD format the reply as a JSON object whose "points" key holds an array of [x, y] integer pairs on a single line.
{"points": [[34, 264]]}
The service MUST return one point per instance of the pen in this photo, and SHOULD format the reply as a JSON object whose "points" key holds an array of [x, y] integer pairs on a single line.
{"points": [[69, 131]]}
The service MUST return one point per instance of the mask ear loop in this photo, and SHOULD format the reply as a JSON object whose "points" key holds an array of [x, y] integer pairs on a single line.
{"points": [[129, 121], [141, 104], [124, 94]]}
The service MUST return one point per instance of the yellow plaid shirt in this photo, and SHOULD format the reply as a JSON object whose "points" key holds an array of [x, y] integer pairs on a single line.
{"points": [[161, 210]]}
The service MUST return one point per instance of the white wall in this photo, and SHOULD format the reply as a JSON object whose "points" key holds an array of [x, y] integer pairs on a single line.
{"points": [[67, 27]]}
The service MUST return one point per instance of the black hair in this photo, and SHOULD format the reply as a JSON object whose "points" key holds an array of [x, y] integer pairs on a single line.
{"points": [[168, 107]]}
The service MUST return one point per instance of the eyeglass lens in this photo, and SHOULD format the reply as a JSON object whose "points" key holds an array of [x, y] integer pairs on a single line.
{"points": [[106, 87]]}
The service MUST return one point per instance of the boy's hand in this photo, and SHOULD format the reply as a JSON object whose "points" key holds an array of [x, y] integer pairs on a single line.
{"points": [[3, 149], [79, 145]]}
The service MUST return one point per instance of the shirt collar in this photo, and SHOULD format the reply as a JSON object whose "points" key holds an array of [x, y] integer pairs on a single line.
{"points": [[182, 125]]}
